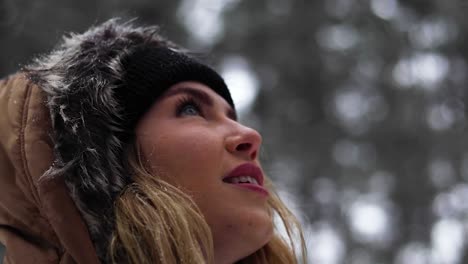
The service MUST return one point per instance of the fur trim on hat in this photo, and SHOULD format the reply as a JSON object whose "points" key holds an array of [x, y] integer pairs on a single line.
{"points": [[80, 78]]}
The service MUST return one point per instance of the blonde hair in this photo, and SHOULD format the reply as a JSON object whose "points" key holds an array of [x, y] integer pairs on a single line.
{"points": [[155, 222]]}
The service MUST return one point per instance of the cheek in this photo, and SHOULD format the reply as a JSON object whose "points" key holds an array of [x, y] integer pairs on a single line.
{"points": [[184, 157]]}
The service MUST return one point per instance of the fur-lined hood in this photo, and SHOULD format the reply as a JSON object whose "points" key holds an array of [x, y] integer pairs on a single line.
{"points": [[63, 119]]}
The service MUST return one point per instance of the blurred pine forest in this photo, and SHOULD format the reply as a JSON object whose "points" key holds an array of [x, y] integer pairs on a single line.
{"points": [[361, 104]]}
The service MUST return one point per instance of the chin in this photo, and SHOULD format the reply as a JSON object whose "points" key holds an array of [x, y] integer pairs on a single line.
{"points": [[243, 237], [247, 247], [266, 236], [260, 236], [260, 227]]}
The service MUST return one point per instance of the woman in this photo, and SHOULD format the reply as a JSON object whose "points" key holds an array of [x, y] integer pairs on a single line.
{"points": [[119, 147]]}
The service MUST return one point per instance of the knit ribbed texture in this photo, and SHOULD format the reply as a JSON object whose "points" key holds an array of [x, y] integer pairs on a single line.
{"points": [[150, 71]]}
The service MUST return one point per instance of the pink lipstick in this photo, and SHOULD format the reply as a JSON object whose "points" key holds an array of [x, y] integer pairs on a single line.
{"points": [[247, 176]]}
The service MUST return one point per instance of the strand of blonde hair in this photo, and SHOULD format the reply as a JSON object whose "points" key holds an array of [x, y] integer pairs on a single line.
{"points": [[158, 223]]}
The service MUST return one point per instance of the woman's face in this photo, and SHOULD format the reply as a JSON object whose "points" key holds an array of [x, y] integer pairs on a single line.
{"points": [[191, 139]]}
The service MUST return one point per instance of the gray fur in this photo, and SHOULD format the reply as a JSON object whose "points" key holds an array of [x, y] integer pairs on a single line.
{"points": [[79, 78]]}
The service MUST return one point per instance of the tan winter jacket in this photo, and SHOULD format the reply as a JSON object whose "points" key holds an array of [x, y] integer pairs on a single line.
{"points": [[39, 222]]}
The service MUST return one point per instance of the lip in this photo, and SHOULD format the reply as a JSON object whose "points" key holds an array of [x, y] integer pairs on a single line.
{"points": [[248, 169]]}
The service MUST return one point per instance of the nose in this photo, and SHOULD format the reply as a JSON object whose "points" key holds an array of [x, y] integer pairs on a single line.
{"points": [[244, 142]]}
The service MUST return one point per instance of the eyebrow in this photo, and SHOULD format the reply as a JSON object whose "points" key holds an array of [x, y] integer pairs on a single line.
{"points": [[199, 95]]}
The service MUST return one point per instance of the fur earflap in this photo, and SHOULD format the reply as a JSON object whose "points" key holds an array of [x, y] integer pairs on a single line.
{"points": [[80, 78]]}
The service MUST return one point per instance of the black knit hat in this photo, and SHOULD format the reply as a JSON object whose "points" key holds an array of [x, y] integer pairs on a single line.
{"points": [[150, 71]]}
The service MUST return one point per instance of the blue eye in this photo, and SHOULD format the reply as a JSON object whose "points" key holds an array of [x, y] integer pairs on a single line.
{"points": [[189, 110], [188, 107]]}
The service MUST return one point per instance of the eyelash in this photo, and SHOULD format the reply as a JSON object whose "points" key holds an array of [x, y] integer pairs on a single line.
{"points": [[185, 101]]}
